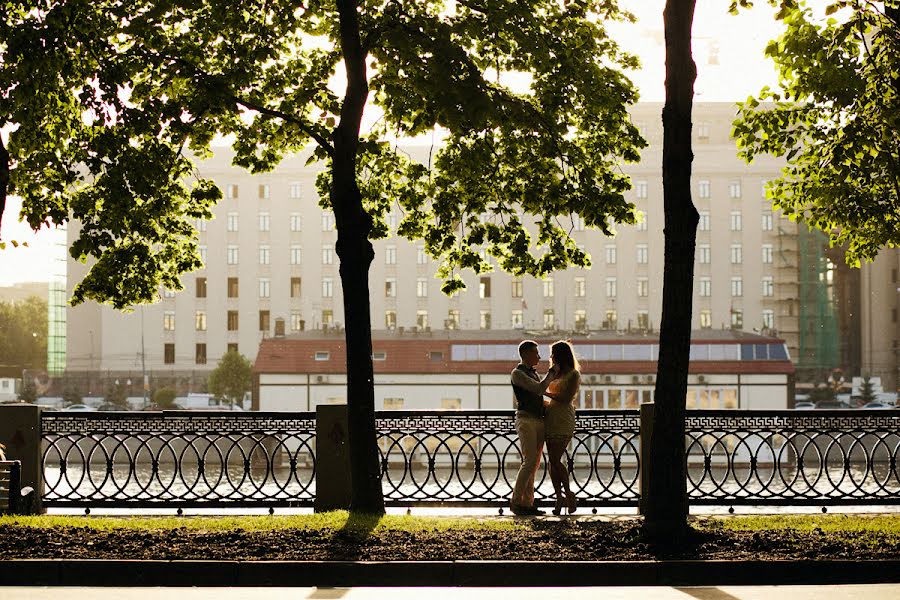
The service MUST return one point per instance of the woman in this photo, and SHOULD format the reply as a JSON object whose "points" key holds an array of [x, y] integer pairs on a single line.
{"points": [[559, 421]]}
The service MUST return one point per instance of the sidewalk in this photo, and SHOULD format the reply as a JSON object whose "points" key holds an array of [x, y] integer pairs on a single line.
{"points": [[837, 592]]}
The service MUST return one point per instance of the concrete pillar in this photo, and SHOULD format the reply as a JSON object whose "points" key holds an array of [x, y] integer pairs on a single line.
{"points": [[332, 458], [647, 412], [20, 432]]}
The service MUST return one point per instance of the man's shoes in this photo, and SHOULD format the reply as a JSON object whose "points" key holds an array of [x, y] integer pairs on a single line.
{"points": [[525, 511]]}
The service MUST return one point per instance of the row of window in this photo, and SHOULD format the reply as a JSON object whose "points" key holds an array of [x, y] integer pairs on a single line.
{"points": [[232, 318], [704, 254], [649, 352], [200, 356], [263, 191], [704, 287], [735, 189]]}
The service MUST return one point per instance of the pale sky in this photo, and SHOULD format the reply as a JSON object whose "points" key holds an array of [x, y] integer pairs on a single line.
{"points": [[730, 64]]}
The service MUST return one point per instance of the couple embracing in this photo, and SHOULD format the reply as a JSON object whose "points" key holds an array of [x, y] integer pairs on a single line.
{"points": [[539, 420]]}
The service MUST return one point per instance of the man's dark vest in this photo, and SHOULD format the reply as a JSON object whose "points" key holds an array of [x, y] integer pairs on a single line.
{"points": [[533, 404]]}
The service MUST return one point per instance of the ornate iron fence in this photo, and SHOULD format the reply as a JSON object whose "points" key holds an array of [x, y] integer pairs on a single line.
{"points": [[793, 457], [185, 459]]}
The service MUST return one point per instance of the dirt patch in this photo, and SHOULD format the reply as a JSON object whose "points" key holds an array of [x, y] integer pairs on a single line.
{"points": [[538, 540]]}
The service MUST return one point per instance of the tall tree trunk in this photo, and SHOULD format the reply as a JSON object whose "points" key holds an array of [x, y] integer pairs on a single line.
{"points": [[666, 506], [356, 253]]}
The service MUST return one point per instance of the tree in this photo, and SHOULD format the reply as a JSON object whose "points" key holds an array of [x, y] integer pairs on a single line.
{"points": [[231, 378], [528, 96], [29, 391], [71, 395], [866, 391], [23, 334], [164, 397], [115, 394], [836, 122]]}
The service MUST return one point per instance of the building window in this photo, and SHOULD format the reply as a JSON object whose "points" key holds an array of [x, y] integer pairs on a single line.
{"points": [[703, 188], [390, 255], [642, 222], [231, 255], [167, 293], [516, 288], [703, 223], [295, 190], [737, 287], [580, 287], [327, 317], [232, 221], [200, 354], [231, 191], [767, 254], [421, 257], [232, 320], [703, 130], [643, 287], [201, 287], [391, 221], [390, 287], [484, 321], [264, 320], [200, 225], [452, 321], [327, 255], [577, 223], [516, 319], [767, 222], [421, 287], [611, 287], [327, 287], [421, 319], [484, 287], [703, 254], [549, 318], [264, 221], [611, 254], [203, 253], [704, 287], [611, 320], [640, 189], [231, 347], [200, 320], [169, 320], [327, 221], [580, 319], [263, 255], [296, 255], [296, 221], [265, 290], [297, 323], [169, 354], [264, 191], [643, 319], [737, 254], [393, 404], [548, 287], [768, 318], [642, 254], [390, 319], [734, 189], [736, 221], [705, 319], [768, 287], [322, 355], [737, 318], [296, 287]]}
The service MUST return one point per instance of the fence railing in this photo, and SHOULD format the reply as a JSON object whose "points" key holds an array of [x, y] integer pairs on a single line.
{"points": [[463, 458]]}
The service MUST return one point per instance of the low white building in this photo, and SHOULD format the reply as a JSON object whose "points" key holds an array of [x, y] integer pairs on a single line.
{"points": [[455, 369]]}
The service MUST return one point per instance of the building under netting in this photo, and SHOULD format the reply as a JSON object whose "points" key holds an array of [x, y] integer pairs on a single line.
{"points": [[819, 351]]}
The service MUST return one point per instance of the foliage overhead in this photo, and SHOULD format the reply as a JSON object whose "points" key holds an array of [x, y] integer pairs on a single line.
{"points": [[232, 377], [108, 104], [835, 122]]}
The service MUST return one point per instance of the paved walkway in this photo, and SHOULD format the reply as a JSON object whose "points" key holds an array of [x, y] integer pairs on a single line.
{"points": [[835, 592]]}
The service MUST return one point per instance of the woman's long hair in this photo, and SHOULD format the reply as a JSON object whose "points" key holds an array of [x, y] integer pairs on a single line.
{"points": [[561, 355]]}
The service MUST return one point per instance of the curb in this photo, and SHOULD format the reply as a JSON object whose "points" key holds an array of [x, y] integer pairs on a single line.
{"points": [[189, 573]]}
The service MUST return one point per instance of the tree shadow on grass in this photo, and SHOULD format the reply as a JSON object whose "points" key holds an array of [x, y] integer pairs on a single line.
{"points": [[348, 542]]}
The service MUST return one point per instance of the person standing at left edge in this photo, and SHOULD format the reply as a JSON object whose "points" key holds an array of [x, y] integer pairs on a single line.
{"points": [[528, 389]]}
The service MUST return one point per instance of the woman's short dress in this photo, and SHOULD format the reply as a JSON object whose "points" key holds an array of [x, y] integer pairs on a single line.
{"points": [[559, 420]]}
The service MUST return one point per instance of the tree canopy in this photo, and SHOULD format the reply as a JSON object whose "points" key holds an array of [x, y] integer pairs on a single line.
{"points": [[835, 121], [231, 378], [109, 104]]}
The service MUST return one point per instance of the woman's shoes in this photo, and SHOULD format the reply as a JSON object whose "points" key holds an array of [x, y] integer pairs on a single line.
{"points": [[572, 502], [559, 506]]}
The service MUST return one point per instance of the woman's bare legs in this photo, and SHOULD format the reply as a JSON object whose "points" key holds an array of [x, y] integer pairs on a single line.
{"points": [[558, 474]]}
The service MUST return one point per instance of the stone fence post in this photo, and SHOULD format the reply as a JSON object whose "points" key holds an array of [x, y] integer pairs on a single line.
{"points": [[20, 432], [332, 458], [646, 424]]}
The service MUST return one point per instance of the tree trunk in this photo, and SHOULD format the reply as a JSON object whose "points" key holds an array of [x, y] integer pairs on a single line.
{"points": [[356, 253], [666, 506]]}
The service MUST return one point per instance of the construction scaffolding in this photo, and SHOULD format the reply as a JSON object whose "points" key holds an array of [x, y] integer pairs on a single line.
{"points": [[819, 343]]}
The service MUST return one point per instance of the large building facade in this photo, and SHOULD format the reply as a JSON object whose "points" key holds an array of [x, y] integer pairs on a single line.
{"points": [[269, 254]]}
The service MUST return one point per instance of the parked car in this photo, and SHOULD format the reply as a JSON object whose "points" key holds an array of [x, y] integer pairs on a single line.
{"points": [[831, 404], [804, 405], [877, 406], [79, 408], [109, 406]]}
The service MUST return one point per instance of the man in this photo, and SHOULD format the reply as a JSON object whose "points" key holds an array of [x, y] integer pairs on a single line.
{"points": [[528, 389]]}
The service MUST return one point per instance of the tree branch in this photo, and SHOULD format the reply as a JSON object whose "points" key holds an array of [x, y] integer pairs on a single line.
{"points": [[302, 124]]}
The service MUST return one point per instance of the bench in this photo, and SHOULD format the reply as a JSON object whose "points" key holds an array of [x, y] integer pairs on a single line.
{"points": [[13, 499]]}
